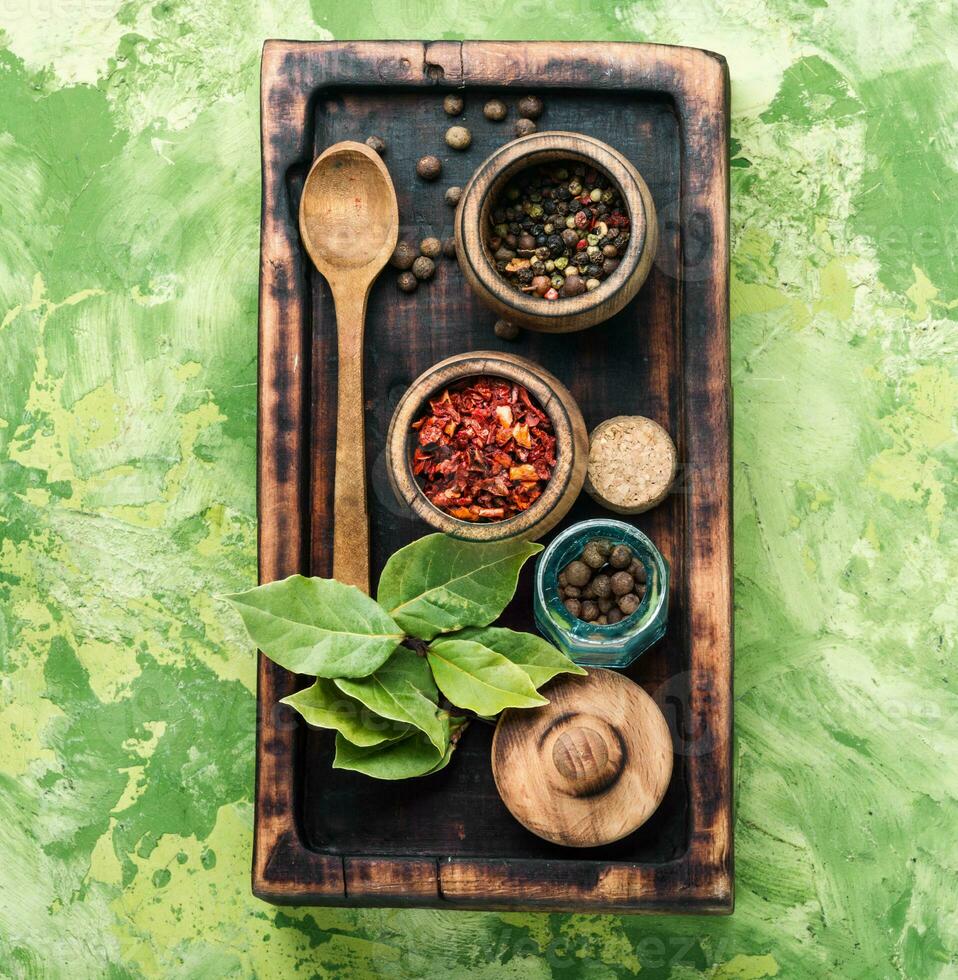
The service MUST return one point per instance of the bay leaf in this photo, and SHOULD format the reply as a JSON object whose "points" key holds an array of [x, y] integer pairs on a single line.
{"points": [[439, 584], [403, 690], [536, 656], [414, 755], [318, 626], [475, 677], [324, 705]]}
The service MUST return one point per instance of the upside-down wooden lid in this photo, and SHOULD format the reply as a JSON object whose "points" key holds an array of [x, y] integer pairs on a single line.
{"points": [[589, 767]]}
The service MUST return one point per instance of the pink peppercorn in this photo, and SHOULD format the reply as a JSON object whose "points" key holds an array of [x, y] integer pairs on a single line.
{"points": [[552, 294]]}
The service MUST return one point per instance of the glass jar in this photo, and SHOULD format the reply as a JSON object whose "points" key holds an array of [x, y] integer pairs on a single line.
{"points": [[590, 644]]}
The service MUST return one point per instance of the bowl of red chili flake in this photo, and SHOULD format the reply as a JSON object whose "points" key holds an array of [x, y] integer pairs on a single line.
{"points": [[487, 446]]}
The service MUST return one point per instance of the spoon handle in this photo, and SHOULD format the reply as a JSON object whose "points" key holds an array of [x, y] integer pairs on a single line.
{"points": [[350, 512]]}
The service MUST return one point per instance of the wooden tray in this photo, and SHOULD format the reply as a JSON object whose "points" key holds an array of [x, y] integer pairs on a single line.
{"points": [[335, 838]]}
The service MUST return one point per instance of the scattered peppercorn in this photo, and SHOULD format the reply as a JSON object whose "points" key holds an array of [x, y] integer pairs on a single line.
{"points": [[453, 104], [429, 167], [407, 282], [376, 143], [431, 247], [530, 107], [403, 256], [423, 268], [524, 127], [592, 589], [458, 137], [449, 247], [485, 450], [453, 196], [505, 330], [549, 226], [495, 110]]}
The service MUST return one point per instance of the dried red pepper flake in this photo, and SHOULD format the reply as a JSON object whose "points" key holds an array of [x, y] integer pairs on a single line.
{"points": [[485, 450]]}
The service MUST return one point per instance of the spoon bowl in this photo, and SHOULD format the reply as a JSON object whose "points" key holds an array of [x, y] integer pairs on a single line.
{"points": [[349, 223]]}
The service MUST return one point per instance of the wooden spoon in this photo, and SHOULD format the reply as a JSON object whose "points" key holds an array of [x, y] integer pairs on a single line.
{"points": [[349, 221]]}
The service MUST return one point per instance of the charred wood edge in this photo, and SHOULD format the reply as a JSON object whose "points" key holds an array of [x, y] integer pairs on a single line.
{"points": [[285, 870]]}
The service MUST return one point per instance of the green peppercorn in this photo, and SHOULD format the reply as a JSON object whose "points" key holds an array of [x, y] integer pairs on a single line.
{"points": [[431, 247], [530, 107], [575, 187], [429, 167], [458, 137], [403, 256], [505, 330], [407, 282], [376, 143], [592, 284], [524, 127], [449, 247], [424, 268], [495, 110], [453, 195], [453, 104]]}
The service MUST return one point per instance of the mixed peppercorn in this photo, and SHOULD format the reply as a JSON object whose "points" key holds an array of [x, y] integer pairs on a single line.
{"points": [[558, 231], [484, 451], [604, 585]]}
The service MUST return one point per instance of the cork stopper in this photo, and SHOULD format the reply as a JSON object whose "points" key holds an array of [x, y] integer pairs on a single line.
{"points": [[632, 463]]}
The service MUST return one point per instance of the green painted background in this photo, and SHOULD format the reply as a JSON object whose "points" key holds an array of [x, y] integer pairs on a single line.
{"points": [[129, 205]]}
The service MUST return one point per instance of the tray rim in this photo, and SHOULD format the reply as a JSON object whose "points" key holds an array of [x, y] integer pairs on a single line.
{"points": [[285, 870]]}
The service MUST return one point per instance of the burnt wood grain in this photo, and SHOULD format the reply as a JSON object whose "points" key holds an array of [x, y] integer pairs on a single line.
{"points": [[337, 838]]}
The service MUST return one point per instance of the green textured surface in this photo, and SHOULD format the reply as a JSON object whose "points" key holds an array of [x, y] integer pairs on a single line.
{"points": [[128, 258]]}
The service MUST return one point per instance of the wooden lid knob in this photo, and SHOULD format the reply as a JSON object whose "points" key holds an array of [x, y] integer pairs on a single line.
{"points": [[588, 768]]}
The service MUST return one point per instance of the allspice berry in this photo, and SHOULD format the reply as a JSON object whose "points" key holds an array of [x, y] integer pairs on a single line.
{"points": [[614, 615], [621, 556], [578, 573], [431, 247], [525, 127], [407, 282], [622, 583], [429, 167], [629, 603], [423, 268], [495, 110], [530, 106], [376, 143], [602, 586], [403, 256], [574, 606], [453, 104], [453, 196], [449, 247], [589, 611], [593, 554], [458, 137], [505, 330]]}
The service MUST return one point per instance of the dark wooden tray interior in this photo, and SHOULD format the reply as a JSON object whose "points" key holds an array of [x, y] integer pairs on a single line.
{"points": [[631, 365]]}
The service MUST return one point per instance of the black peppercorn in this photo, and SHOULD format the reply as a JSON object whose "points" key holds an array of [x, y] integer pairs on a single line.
{"points": [[530, 107], [453, 104], [429, 167], [423, 268], [407, 282], [431, 247], [495, 110], [403, 256], [505, 330]]}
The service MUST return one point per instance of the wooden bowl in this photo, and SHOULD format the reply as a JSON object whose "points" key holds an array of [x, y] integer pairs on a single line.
{"points": [[566, 314], [572, 445]]}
